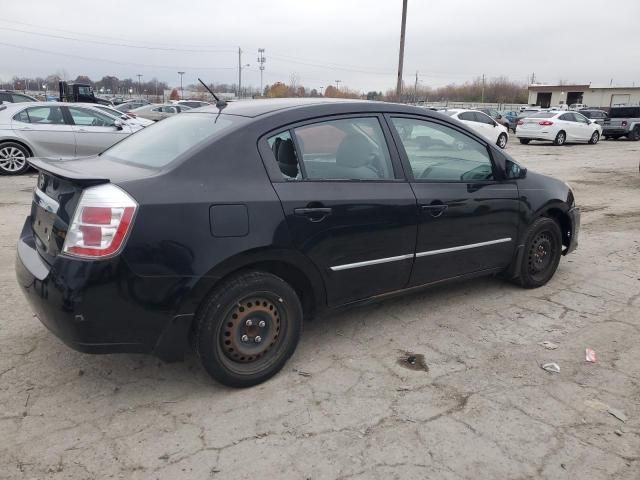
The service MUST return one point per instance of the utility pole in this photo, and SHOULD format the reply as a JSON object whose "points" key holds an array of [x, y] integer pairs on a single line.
{"points": [[239, 71], [415, 89], [483, 77], [139, 84], [321, 91], [401, 56], [181, 89], [338, 82], [261, 60]]}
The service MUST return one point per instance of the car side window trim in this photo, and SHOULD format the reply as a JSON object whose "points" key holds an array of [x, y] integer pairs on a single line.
{"points": [[276, 176], [497, 172]]}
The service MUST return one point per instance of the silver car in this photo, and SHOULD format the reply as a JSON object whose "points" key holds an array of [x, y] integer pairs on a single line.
{"points": [[49, 129], [159, 111]]}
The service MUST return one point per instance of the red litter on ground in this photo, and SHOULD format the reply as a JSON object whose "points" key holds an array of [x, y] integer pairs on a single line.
{"points": [[590, 355]]}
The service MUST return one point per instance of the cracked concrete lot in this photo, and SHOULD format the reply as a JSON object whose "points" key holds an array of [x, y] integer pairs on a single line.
{"points": [[346, 405]]}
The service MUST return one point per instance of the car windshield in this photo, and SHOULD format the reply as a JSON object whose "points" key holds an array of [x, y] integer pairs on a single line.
{"points": [[161, 144], [543, 115]]}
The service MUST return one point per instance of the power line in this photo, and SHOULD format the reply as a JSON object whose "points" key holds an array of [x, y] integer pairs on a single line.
{"points": [[127, 45]]}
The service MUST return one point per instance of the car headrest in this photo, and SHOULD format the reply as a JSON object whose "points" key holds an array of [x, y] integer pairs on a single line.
{"points": [[354, 151], [286, 157]]}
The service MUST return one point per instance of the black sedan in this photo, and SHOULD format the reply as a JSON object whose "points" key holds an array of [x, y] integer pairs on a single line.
{"points": [[229, 225]]}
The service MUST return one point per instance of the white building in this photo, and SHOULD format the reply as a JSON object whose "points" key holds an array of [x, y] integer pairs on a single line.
{"points": [[591, 95]]}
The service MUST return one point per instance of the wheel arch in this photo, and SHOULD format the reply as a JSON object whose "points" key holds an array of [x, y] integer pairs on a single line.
{"points": [[19, 142], [561, 217]]}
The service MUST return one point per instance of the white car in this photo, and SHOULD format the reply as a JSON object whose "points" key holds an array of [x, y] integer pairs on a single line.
{"points": [[559, 128], [483, 124], [135, 123]]}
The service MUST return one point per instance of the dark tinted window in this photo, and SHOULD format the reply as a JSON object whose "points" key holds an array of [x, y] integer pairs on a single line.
{"points": [[625, 112], [165, 141], [468, 116], [17, 98], [438, 153], [350, 149], [567, 117], [483, 118], [5, 97]]}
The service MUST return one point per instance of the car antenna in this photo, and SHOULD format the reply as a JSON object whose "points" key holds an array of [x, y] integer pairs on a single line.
{"points": [[219, 103]]}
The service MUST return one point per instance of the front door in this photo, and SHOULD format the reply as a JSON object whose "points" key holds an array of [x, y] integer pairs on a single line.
{"points": [[94, 131], [345, 203], [468, 215], [45, 130]]}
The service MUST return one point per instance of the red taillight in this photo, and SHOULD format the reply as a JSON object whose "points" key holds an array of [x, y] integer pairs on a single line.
{"points": [[545, 123], [520, 122], [101, 222]]}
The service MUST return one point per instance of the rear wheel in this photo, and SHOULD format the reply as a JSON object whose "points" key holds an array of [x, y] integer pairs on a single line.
{"points": [[248, 328], [635, 134], [561, 138], [543, 248], [502, 140], [594, 138], [13, 158], [525, 141]]}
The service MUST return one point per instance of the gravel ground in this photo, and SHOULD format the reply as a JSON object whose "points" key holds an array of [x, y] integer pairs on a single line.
{"points": [[475, 404]]}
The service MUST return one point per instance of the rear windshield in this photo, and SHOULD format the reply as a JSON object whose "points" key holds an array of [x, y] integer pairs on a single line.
{"points": [[543, 115], [160, 144], [625, 112]]}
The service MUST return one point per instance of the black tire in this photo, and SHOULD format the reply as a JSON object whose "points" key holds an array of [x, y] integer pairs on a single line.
{"points": [[634, 135], [615, 137], [221, 327], [594, 138], [606, 137], [525, 141], [561, 138], [542, 252], [13, 158], [502, 140]]}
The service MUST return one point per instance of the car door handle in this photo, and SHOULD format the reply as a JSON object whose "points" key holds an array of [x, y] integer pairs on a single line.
{"points": [[435, 210], [314, 214], [81, 130]]}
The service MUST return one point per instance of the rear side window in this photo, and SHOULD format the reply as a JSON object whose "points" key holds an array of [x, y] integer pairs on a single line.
{"points": [[20, 98], [42, 115], [160, 144], [468, 116], [350, 149], [568, 117], [22, 116]]}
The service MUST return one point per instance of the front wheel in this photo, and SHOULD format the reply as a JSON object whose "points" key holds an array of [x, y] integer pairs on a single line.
{"points": [[561, 138], [594, 138], [635, 134], [502, 140], [247, 329], [543, 248], [525, 141], [13, 158]]}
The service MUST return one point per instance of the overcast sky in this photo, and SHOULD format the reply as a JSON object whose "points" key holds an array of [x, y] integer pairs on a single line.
{"points": [[355, 41]]}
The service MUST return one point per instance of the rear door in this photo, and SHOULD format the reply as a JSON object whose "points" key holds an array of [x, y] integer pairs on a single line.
{"points": [[94, 131], [346, 204], [46, 131], [468, 215]]}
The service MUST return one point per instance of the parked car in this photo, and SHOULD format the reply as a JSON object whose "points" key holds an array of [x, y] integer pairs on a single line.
{"points": [[131, 105], [526, 113], [483, 124], [577, 106], [129, 119], [496, 115], [8, 96], [158, 112], [559, 128], [61, 130], [192, 103], [622, 122], [598, 116], [229, 226], [511, 118]]}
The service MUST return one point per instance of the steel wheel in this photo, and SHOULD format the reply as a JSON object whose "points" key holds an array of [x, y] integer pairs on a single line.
{"points": [[13, 160], [543, 249], [540, 254]]}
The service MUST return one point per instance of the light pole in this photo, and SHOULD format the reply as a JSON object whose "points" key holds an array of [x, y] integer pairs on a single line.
{"points": [[338, 84], [261, 60], [321, 91], [44, 87], [401, 55], [130, 92], [139, 85], [181, 89]]}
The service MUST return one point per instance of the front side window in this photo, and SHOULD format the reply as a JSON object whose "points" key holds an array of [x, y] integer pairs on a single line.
{"points": [[580, 118], [483, 118], [20, 98], [89, 118], [437, 153], [349, 149], [45, 115]]}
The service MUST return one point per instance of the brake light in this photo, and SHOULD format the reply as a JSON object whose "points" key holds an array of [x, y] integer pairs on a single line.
{"points": [[520, 122], [545, 123], [101, 223]]}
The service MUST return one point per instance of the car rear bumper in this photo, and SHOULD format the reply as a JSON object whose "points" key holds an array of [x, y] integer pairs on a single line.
{"points": [[100, 306], [535, 134], [614, 131], [574, 218]]}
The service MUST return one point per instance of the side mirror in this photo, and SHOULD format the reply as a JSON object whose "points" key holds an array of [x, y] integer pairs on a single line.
{"points": [[119, 124]]}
